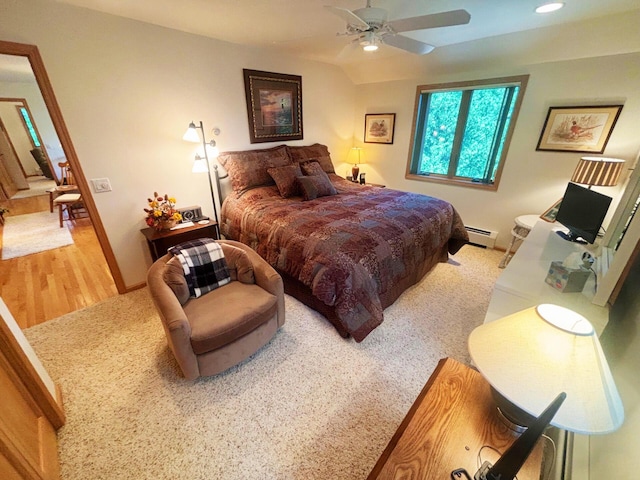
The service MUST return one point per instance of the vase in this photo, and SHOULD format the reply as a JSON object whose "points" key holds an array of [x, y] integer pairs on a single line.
{"points": [[165, 225]]}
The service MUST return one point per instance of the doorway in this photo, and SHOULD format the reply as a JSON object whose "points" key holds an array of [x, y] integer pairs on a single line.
{"points": [[62, 280]]}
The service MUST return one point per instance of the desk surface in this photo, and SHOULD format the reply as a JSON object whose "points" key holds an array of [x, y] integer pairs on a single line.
{"points": [[521, 285], [450, 422]]}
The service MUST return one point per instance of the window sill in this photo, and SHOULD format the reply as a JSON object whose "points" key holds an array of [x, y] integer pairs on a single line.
{"points": [[452, 181]]}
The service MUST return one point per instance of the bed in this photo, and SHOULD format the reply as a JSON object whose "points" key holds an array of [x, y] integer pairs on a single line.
{"points": [[346, 250]]}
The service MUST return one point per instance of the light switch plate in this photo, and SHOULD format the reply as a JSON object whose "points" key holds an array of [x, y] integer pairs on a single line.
{"points": [[101, 185]]}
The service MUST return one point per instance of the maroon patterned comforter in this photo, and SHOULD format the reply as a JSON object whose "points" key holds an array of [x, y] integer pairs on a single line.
{"points": [[350, 249]]}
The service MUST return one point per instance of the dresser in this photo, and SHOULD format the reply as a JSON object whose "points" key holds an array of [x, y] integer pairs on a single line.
{"points": [[522, 283]]}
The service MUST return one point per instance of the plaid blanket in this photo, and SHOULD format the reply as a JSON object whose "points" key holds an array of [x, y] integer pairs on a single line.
{"points": [[203, 264]]}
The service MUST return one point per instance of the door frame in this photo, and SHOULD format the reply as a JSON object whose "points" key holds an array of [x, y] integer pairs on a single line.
{"points": [[33, 55]]}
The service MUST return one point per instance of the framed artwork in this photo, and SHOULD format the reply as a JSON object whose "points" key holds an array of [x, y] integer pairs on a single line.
{"points": [[550, 214], [274, 106], [578, 129], [379, 127]]}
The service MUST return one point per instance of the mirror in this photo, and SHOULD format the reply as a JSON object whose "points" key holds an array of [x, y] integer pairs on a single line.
{"points": [[621, 242], [31, 54], [26, 126]]}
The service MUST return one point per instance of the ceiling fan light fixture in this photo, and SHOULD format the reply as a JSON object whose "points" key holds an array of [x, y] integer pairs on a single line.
{"points": [[549, 7], [369, 42]]}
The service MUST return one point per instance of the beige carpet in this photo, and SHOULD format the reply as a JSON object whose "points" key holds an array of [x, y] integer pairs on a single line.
{"points": [[309, 405], [37, 186], [33, 233]]}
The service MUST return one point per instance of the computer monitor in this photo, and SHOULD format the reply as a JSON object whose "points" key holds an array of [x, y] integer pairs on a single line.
{"points": [[582, 211]]}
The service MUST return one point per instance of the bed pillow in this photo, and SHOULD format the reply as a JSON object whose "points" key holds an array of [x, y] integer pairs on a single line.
{"points": [[285, 178], [316, 151], [314, 186], [248, 169]]}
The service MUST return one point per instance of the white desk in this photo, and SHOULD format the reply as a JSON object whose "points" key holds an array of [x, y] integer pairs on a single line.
{"points": [[521, 285]]}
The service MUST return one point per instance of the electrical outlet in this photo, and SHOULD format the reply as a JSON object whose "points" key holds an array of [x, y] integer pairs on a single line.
{"points": [[101, 185]]}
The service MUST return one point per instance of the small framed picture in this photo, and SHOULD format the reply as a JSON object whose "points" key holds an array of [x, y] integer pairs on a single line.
{"points": [[578, 129], [550, 214], [379, 127]]}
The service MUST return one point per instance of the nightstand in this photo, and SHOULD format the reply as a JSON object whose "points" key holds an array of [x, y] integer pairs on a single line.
{"points": [[449, 426], [160, 242]]}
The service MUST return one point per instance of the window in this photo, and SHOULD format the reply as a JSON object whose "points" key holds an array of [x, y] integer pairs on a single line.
{"points": [[24, 113], [462, 130]]}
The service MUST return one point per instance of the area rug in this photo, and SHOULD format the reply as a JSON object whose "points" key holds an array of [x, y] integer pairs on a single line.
{"points": [[33, 233], [308, 405], [37, 186]]}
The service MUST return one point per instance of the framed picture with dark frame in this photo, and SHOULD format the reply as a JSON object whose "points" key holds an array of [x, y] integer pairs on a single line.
{"points": [[578, 129], [274, 106], [379, 127]]}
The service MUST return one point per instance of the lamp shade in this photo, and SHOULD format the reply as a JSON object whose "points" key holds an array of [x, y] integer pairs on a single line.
{"points": [[533, 355], [200, 165], [191, 135], [598, 171], [355, 156]]}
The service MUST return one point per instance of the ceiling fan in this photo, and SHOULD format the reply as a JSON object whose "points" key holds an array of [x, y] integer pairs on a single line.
{"points": [[371, 28]]}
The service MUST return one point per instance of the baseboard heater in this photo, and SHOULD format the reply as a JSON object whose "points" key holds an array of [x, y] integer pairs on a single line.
{"points": [[481, 238]]}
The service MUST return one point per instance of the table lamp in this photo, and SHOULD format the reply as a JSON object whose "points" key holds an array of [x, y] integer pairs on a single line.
{"points": [[356, 159], [598, 171], [533, 355]]}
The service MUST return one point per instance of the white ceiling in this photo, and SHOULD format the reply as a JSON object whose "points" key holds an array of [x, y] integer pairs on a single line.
{"points": [[306, 28]]}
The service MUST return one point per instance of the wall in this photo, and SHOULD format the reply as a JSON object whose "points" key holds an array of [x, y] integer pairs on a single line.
{"points": [[128, 90], [531, 181], [616, 454]]}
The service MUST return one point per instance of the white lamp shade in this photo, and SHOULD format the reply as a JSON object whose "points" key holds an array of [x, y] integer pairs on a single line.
{"points": [[529, 360], [199, 165], [191, 135]]}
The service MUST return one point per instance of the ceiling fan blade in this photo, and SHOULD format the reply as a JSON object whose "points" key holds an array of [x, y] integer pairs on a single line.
{"points": [[348, 16], [435, 20], [408, 44]]}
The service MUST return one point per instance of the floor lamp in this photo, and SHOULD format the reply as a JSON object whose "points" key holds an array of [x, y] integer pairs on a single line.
{"points": [[191, 135]]}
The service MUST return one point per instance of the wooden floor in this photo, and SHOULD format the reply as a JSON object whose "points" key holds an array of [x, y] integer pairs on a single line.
{"points": [[46, 285]]}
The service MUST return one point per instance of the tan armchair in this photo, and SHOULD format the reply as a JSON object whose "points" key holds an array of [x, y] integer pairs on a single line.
{"points": [[218, 330]]}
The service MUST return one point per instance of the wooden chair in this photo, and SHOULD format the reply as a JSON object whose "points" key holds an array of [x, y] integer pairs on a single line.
{"points": [[67, 185], [67, 202]]}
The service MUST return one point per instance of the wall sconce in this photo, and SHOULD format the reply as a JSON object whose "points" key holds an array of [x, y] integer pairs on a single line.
{"points": [[201, 164]]}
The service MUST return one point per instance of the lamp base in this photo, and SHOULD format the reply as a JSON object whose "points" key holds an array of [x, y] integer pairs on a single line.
{"points": [[355, 170], [511, 415]]}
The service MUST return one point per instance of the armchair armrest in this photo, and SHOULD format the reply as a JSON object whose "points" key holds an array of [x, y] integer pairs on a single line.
{"points": [[174, 320]]}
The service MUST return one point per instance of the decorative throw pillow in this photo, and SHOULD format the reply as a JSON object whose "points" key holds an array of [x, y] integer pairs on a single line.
{"points": [[285, 178], [248, 169], [316, 151], [312, 167], [240, 266], [314, 186]]}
